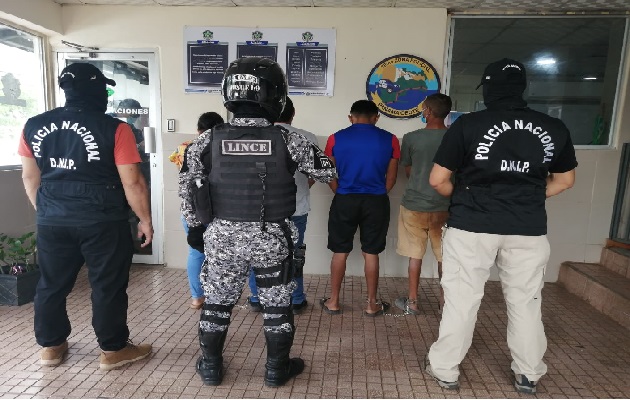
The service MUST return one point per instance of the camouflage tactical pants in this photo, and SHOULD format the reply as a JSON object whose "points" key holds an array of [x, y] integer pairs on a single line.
{"points": [[231, 249]]}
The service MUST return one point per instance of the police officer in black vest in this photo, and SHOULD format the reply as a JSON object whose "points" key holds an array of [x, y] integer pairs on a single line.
{"points": [[248, 166], [80, 172], [507, 160]]}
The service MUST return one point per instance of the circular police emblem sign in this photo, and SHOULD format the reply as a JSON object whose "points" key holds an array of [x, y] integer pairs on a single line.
{"points": [[398, 85]]}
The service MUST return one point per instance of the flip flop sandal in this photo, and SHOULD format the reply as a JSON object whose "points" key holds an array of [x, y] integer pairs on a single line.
{"points": [[322, 303], [384, 307], [403, 304], [196, 306]]}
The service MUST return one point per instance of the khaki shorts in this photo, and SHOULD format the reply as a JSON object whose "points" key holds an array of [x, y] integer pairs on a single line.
{"points": [[415, 227]]}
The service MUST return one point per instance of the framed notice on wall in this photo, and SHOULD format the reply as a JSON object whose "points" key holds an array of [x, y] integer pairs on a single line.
{"points": [[306, 55], [206, 63]]}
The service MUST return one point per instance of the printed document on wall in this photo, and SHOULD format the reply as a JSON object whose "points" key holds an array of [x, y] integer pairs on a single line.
{"points": [[306, 55]]}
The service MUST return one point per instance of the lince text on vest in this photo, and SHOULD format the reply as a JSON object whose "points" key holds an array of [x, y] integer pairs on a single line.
{"points": [[483, 148], [246, 147], [88, 139]]}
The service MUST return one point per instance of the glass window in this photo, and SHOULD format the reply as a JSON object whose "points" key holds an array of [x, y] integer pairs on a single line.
{"points": [[572, 66], [23, 90]]}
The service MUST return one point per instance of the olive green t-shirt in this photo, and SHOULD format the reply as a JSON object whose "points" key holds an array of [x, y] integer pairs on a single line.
{"points": [[418, 149]]}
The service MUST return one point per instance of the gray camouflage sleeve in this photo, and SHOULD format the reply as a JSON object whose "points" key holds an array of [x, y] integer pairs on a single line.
{"points": [[186, 180], [310, 159]]}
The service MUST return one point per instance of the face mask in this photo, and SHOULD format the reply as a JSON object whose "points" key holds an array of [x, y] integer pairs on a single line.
{"points": [[492, 93], [88, 97], [131, 120], [423, 118]]}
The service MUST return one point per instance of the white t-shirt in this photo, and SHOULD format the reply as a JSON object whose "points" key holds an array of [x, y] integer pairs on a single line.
{"points": [[302, 197]]}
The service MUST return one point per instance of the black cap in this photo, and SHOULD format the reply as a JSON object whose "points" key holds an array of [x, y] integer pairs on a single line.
{"points": [[504, 72], [81, 73]]}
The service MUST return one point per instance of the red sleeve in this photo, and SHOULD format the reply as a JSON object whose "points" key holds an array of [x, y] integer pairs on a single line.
{"points": [[125, 149], [395, 148], [329, 145], [23, 148]]}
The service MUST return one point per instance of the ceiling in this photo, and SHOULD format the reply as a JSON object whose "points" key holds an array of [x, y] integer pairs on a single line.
{"points": [[452, 5], [581, 45]]}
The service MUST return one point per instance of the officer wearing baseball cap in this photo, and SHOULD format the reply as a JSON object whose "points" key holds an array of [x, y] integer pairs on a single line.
{"points": [[507, 160], [507, 73], [82, 75], [80, 172]]}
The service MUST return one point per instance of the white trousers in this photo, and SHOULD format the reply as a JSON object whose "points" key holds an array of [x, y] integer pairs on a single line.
{"points": [[467, 258]]}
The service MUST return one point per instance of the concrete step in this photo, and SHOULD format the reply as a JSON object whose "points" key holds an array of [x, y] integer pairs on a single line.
{"points": [[617, 260], [607, 291]]}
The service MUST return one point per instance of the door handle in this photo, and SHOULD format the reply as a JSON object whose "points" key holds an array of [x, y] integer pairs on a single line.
{"points": [[149, 140]]}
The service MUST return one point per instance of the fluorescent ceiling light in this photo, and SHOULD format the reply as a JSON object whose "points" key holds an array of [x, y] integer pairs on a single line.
{"points": [[590, 78], [546, 61]]}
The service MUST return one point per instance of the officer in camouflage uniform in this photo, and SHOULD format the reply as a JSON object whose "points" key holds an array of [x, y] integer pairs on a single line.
{"points": [[248, 166]]}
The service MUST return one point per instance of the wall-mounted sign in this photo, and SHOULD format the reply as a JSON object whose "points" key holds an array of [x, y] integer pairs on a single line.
{"points": [[398, 85], [306, 55]]}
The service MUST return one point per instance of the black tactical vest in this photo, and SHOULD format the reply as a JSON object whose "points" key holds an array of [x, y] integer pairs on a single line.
{"points": [[251, 167], [74, 151]]}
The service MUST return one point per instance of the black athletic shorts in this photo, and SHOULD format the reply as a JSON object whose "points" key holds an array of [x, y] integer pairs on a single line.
{"points": [[369, 212]]}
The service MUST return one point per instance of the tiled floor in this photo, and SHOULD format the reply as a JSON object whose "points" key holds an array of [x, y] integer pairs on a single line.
{"points": [[347, 356]]}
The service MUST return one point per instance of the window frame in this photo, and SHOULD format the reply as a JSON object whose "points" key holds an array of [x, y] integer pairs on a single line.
{"points": [[46, 81], [622, 74]]}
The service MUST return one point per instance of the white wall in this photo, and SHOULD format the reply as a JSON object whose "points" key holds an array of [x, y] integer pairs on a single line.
{"points": [[364, 37], [578, 220]]}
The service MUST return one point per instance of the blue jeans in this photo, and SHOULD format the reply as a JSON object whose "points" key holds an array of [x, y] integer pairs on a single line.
{"points": [[193, 266], [298, 295]]}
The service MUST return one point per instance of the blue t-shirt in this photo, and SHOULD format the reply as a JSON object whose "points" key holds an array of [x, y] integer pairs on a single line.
{"points": [[362, 154]]}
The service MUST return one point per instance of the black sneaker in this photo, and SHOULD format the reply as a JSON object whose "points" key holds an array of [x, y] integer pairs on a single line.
{"points": [[300, 307], [254, 305], [524, 385]]}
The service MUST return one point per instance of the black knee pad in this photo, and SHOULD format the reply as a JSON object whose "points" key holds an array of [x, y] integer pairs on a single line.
{"points": [[213, 318]]}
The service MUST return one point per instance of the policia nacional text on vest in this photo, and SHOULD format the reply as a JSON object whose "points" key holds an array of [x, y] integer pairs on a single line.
{"points": [[67, 143], [501, 189]]}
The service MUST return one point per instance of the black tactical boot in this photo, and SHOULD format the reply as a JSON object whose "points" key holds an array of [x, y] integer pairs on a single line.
{"points": [[210, 364], [280, 368]]}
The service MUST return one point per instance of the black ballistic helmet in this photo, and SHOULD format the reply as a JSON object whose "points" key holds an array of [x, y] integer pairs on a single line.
{"points": [[255, 80]]}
